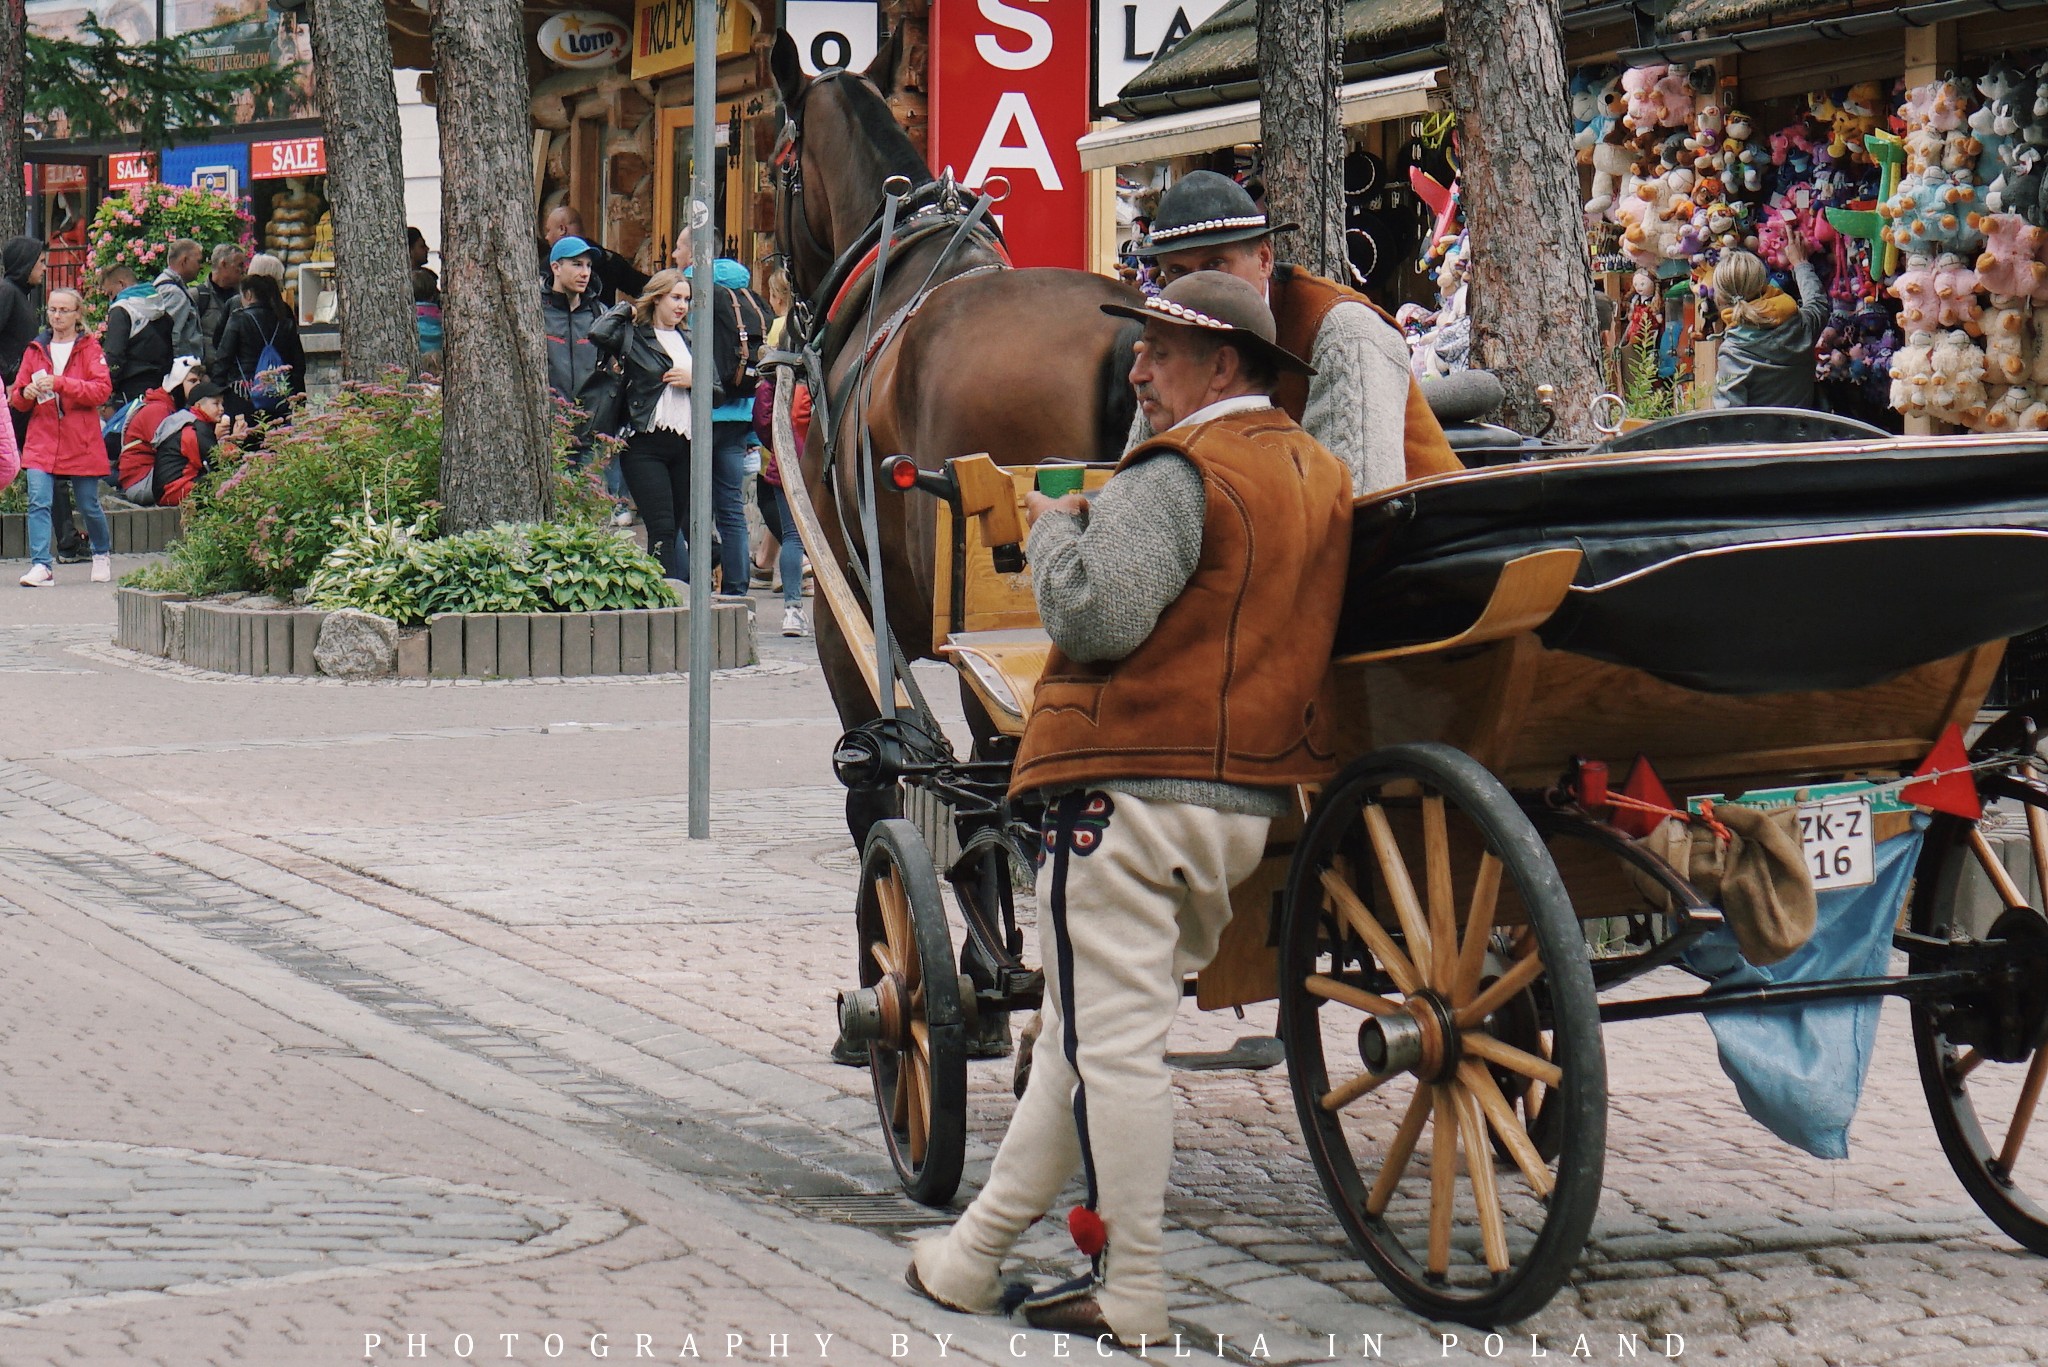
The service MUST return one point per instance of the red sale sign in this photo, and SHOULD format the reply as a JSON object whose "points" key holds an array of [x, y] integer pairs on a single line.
{"points": [[126, 170], [1009, 99], [292, 157]]}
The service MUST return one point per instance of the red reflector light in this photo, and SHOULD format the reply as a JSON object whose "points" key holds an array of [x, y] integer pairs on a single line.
{"points": [[903, 473]]}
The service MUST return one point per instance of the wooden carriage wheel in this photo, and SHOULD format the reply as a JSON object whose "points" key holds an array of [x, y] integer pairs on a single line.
{"points": [[1984, 1056], [1425, 927], [919, 1062]]}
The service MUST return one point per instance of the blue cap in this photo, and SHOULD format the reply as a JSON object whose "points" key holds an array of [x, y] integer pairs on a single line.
{"points": [[569, 247]]}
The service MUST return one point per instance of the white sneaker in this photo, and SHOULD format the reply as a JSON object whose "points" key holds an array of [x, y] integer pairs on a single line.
{"points": [[623, 517], [38, 577], [103, 569], [793, 620]]}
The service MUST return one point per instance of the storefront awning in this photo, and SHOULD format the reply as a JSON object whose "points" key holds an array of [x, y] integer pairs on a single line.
{"points": [[1205, 130]]}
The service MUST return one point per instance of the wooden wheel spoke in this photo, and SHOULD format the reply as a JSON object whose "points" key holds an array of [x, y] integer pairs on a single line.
{"points": [[1443, 1180], [884, 956], [1481, 1045], [1478, 929], [1493, 1230], [1967, 1064], [1443, 912], [1994, 869], [921, 1039], [1473, 1014], [1398, 1153], [1329, 989], [1337, 1098], [1372, 932], [2023, 1115], [920, 1093], [899, 1103], [1400, 888], [896, 915], [1513, 1134]]}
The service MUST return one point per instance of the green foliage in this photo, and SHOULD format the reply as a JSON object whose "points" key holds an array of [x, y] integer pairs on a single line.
{"points": [[360, 473], [14, 498], [396, 572], [106, 87], [136, 228], [1644, 394]]}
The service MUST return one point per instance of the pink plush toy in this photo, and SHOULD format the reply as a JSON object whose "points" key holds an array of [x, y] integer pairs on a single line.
{"points": [[1674, 91], [1645, 105], [2011, 262], [1955, 290], [1914, 289]]}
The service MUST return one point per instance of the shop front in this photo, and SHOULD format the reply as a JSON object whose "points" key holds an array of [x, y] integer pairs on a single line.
{"points": [[1898, 145]]}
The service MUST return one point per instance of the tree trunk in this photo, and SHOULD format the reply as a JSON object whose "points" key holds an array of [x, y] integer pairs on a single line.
{"points": [[496, 464], [1301, 47], [1532, 282], [366, 186], [13, 101]]}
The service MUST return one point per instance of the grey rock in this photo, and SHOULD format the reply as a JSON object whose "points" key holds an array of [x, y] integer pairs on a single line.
{"points": [[357, 645], [174, 630], [259, 602]]}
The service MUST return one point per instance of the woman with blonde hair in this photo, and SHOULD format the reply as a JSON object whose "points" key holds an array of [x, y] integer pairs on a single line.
{"points": [[646, 336], [1766, 356]]}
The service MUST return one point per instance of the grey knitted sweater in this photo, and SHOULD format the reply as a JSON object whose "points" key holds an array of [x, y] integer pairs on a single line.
{"points": [[1102, 579]]}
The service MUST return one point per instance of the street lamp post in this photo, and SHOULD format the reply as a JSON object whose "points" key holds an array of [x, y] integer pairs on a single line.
{"points": [[703, 380]]}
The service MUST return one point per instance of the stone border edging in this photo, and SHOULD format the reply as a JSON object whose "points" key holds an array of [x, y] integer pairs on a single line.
{"points": [[505, 645], [137, 531]]}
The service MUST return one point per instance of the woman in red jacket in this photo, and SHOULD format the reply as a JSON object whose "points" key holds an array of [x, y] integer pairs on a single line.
{"points": [[63, 382]]}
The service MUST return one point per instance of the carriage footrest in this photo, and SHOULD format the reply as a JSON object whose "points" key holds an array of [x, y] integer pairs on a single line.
{"points": [[1254, 1053]]}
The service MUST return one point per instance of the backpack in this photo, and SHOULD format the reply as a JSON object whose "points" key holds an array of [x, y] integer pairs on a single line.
{"points": [[269, 394], [753, 323]]}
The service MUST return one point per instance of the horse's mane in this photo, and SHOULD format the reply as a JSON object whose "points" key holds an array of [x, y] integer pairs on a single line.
{"points": [[880, 131]]}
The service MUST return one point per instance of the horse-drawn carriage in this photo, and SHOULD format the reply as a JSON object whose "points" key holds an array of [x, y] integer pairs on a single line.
{"points": [[1788, 623], [1808, 620]]}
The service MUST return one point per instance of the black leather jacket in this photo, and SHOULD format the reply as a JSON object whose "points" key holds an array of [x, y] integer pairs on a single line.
{"points": [[643, 359]]}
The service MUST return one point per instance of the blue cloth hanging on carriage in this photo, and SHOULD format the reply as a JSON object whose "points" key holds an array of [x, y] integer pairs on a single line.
{"points": [[1800, 1069]]}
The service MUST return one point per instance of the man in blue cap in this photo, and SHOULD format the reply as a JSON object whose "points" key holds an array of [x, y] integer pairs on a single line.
{"points": [[568, 311]]}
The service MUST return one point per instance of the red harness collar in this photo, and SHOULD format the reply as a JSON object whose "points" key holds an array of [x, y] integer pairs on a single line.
{"points": [[858, 276]]}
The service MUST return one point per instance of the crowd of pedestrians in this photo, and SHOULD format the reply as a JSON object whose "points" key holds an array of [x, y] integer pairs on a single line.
{"points": [[618, 349], [180, 365]]}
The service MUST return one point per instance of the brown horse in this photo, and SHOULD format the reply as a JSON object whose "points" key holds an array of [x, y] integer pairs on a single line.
{"points": [[1021, 364]]}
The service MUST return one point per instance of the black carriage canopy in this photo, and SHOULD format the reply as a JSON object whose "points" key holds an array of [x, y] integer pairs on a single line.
{"points": [[1734, 571]]}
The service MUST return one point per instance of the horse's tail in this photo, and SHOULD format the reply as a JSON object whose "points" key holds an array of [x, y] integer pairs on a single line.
{"points": [[1119, 404]]}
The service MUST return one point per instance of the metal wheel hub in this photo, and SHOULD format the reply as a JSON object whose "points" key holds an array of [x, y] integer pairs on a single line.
{"points": [[876, 1015], [1422, 1039]]}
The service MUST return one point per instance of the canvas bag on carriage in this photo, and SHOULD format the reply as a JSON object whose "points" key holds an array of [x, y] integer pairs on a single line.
{"points": [[1757, 875]]}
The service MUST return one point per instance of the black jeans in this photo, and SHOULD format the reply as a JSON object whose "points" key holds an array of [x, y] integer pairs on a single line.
{"points": [[657, 466]]}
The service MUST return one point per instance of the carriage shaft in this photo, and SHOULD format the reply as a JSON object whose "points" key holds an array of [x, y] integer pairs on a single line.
{"points": [[1934, 985]]}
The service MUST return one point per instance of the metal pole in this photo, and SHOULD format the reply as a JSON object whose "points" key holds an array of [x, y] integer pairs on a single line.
{"points": [[703, 259]]}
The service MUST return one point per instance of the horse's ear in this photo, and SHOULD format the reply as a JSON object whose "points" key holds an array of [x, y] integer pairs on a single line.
{"points": [[787, 68], [882, 70]]}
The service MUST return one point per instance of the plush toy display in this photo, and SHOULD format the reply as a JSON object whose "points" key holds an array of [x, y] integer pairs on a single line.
{"points": [[1914, 289], [1955, 393], [2005, 341], [1743, 161], [2012, 262], [1613, 170], [1955, 293], [1913, 374]]}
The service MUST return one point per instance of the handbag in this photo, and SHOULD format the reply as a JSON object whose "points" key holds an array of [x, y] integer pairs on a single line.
{"points": [[602, 398]]}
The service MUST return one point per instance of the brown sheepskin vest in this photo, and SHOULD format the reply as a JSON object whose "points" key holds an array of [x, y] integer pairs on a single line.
{"points": [[1226, 687], [1300, 303]]}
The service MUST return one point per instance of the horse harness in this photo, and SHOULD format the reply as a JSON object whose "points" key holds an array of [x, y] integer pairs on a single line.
{"points": [[823, 325]]}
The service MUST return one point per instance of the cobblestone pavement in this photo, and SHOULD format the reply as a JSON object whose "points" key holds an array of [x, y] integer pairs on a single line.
{"points": [[428, 1020]]}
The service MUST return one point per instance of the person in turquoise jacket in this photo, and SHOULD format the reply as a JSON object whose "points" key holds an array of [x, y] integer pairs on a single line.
{"points": [[740, 321]]}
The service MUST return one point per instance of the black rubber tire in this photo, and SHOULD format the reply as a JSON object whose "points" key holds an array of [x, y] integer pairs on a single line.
{"points": [[894, 846], [1566, 998], [1944, 859]]}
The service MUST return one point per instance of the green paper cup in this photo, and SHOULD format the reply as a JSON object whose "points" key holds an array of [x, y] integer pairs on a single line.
{"points": [[1055, 481]]}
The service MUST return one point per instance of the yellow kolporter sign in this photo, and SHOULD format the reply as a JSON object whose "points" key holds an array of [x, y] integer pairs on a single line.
{"points": [[665, 36]]}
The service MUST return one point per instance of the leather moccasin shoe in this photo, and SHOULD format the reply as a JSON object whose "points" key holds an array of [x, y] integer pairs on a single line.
{"points": [[1066, 1311], [1012, 1292]]}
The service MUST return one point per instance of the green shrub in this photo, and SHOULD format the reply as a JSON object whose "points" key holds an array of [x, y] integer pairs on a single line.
{"points": [[266, 520], [14, 498], [396, 571]]}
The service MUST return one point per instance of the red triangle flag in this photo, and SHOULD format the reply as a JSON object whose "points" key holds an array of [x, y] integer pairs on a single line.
{"points": [[1953, 793], [1643, 785]]}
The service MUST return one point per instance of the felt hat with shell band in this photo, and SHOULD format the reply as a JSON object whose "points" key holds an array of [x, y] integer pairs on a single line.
{"points": [[1204, 209], [1214, 302]]}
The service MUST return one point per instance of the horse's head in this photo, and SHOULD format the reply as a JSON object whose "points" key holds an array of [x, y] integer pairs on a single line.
{"points": [[839, 143]]}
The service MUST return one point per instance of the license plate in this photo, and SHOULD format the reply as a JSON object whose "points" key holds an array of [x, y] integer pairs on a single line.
{"points": [[1837, 840]]}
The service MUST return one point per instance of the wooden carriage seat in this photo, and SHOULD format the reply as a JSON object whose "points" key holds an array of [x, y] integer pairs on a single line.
{"points": [[1002, 667]]}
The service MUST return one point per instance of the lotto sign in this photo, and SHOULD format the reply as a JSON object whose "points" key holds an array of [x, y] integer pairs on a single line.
{"points": [[126, 170], [292, 157], [1009, 99]]}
